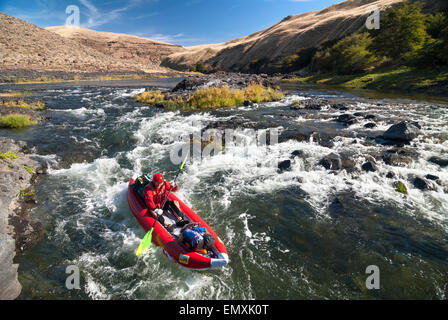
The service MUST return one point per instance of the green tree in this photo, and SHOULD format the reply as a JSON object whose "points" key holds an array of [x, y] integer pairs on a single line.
{"points": [[435, 50], [349, 55], [298, 60], [402, 31]]}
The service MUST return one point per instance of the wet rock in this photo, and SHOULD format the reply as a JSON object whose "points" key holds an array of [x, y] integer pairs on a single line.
{"points": [[310, 104], [370, 117], [284, 165], [369, 166], [323, 139], [431, 177], [342, 106], [399, 157], [347, 119], [402, 132], [224, 79], [349, 165], [370, 125], [15, 193], [331, 162], [298, 153], [390, 175], [294, 135], [423, 184], [439, 161]]}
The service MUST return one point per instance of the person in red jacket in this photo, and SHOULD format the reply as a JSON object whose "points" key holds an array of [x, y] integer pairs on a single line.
{"points": [[155, 194]]}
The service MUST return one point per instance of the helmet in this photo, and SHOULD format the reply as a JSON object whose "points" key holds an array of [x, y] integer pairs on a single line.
{"points": [[158, 177]]}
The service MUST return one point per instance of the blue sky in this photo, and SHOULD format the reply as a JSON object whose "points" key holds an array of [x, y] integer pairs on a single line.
{"points": [[188, 22]]}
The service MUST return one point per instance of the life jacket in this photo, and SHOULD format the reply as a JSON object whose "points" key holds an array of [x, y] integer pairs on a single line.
{"points": [[193, 236], [154, 198]]}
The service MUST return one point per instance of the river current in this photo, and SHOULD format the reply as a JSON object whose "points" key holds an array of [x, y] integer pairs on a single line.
{"points": [[302, 233]]}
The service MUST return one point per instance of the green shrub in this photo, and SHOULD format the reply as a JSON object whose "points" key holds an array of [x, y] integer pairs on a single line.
{"points": [[151, 97], [17, 121], [211, 98]]}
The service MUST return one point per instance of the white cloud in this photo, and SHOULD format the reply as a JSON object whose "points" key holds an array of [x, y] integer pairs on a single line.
{"points": [[97, 18]]}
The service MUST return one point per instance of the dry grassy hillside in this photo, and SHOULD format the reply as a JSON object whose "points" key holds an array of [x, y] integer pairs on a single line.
{"points": [[148, 54], [28, 47], [282, 39]]}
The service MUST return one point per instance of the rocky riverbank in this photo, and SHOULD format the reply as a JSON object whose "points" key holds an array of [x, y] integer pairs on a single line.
{"points": [[18, 171]]}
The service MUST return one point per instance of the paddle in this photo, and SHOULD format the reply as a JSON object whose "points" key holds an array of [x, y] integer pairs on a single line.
{"points": [[146, 242]]}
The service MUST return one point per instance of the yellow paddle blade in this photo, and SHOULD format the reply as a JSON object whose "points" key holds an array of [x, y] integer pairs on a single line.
{"points": [[185, 160], [145, 244]]}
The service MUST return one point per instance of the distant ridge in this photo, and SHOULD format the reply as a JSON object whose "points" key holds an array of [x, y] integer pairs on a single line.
{"points": [[147, 54], [284, 38]]}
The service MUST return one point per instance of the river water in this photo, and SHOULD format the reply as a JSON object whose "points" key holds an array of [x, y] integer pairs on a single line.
{"points": [[304, 233]]}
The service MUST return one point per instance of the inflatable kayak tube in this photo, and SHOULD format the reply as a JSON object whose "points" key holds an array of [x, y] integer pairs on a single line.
{"points": [[174, 250]]}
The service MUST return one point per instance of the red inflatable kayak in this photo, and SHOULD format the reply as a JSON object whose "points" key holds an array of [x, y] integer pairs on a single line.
{"points": [[168, 240]]}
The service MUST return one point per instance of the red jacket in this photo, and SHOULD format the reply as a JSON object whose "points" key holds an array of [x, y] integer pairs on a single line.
{"points": [[155, 198]]}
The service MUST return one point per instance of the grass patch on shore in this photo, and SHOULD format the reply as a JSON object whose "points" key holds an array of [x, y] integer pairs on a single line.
{"points": [[212, 98], [34, 105], [77, 78], [24, 193], [17, 121], [403, 78], [29, 169], [8, 155], [15, 94]]}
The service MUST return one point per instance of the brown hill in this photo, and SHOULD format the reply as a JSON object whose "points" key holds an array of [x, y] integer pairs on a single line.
{"points": [[146, 53], [24, 46], [282, 39]]}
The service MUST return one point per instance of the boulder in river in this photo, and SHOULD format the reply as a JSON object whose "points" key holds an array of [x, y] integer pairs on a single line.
{"points": [[298, 153], [423, 184], [347, 119], [390, 175], [284, 165], [399, 157], [331, 162], [402, 132], [370, 125], [441, 162], [432, 177], [369, 166]]}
